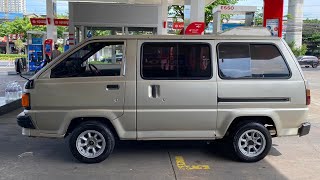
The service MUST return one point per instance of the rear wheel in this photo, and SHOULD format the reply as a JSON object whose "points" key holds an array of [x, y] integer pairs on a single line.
{"points": [[91, 142], [251, 142], [315, 65]]}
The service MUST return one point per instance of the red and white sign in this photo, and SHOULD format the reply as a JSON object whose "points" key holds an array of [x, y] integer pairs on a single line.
{"points": [[273, 26], [178, 25], [61, 22], [227, 8], [195, 28], [38, 21], [44, 21]]}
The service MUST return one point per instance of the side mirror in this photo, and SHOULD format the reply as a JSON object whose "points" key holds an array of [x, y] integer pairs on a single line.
{"points": [[18, 66]]}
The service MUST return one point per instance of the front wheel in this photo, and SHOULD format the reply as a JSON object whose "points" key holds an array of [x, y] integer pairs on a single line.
{"points": [[91, 142], [251, 142]]}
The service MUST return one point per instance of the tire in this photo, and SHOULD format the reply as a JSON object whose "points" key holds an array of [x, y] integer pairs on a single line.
{"points": [[98, 138], [242, 136], [315, 65]]}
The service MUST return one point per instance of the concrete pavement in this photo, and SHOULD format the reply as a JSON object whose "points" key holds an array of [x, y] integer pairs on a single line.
{"points": [[50, 159]]}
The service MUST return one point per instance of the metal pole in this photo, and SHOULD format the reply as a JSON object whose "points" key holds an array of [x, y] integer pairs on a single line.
{"points": [[295, 22]]}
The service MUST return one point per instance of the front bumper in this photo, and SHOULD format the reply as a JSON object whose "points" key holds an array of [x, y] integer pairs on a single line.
{"points": [[25, 121], [304, 129]]}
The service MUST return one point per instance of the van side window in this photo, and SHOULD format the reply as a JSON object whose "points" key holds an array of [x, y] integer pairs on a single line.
{"points": [[251, 61], [94, 59], [176, 61]]}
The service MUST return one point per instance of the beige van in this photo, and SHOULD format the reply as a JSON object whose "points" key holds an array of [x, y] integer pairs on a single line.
{"points": [[243, 89]]}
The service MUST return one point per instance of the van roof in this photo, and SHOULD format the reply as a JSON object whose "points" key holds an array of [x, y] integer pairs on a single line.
{"points": [[240, 33], [182, 37]]}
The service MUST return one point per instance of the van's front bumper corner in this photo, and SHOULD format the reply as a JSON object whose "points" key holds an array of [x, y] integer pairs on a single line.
{"points": [[25, 121], [304, 129], [26, 132]]}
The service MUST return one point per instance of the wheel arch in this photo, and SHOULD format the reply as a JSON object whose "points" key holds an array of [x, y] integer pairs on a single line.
{"points": [[105, 121], [267, 121]]}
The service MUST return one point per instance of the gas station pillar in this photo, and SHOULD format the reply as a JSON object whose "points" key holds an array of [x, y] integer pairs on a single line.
{"points": [[194, 11], [72, 40], [51, 12], [162, 17], [295, 22]]}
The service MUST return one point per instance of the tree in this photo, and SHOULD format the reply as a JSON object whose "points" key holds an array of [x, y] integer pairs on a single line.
{"points": [[208, 10], [311, 36], [178, 11], [22, 25], [298, 51], [19, 26], [258, 19], [19, 45]]}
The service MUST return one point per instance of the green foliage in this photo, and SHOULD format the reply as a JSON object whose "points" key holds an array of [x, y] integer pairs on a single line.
{"points": [[11, 57], [19, 45], [60, 48], [298, 51], [101, 33], [311, 36], [178, 11], [19, 26], [208, 10], [316, 21], [258, 19], [288, 16], [22, 25]]}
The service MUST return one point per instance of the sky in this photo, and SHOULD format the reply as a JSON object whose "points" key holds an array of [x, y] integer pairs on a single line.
{"points": [[311, 7], [39, 7]]}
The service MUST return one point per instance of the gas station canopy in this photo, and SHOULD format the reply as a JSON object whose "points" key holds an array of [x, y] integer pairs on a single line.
{"points": [[170, 2]]}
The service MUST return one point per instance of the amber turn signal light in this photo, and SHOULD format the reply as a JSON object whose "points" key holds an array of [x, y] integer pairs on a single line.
{"points": [[25, 100], [308, 97]]}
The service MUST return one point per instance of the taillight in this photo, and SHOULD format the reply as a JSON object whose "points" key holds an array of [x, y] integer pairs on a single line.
{"points": [[308, 97], [25, 100]]}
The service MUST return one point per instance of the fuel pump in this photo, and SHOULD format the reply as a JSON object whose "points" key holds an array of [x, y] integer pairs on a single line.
{"points": [[35, 49], [48, 44]]}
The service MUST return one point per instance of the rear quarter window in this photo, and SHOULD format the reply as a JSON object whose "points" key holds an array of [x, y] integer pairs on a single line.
{"points": [[251, 61]]}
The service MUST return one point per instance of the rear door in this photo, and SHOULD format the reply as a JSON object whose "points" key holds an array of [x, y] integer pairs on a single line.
{"points": [[255, 76], [176, 90]]}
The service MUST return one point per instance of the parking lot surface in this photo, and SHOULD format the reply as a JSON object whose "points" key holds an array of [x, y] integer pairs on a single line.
{"points": [[35, 158]]}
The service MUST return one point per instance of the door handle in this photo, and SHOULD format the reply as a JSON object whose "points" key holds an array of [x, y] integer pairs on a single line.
{"points": [[112, 87], [154, 91]]}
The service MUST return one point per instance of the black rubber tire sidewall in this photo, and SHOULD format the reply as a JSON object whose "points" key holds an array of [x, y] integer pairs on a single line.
{"points": [[240, 130], [109, 137], [314, 65]]}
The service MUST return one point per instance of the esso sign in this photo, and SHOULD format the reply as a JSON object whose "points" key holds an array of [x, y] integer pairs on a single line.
{"points": [[227, 8]]}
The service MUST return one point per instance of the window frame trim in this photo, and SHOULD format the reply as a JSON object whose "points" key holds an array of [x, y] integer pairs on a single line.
{"points": [[77, 48], [175, 78], [253, 78]]}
